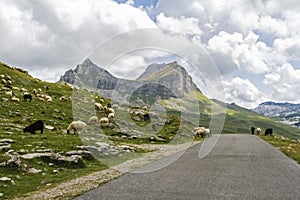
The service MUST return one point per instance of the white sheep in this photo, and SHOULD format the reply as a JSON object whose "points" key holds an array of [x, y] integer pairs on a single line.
{"points": [[5, 99], [93, 119], [15, 99], [77, 126], [9, 93], [109, 110], [258, 131], [23, 90], [16, 88], [40, 99], [9, 82], [202, 131], [48, 98], [145, 108], [34, 92], [2, 76], [65, 98], [111, 116], [104, 121], [3, 81], [98, 106]]}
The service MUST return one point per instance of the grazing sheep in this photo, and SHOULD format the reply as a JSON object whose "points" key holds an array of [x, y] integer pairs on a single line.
{"points": [[15, 99], [40, 99], [9, 93], [104, 121], [3, 81], [34, 92], [9, 82], [5, 99], [16, 88], [258, 131], [38, 125], [269, 131], [93, 119], [77, 126], [111, 116], [252, 130], [101, 101], [65, 98], [23, 90], [48, 98], [202, 131], [145, 108], [109, 110], [98, 106], [27, 96]]}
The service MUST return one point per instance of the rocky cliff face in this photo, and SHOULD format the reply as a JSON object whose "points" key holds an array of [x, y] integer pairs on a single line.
{"points": [[285, 112], [166, 80]]}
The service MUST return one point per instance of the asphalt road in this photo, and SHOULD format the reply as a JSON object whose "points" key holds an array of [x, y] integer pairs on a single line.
{"points": [[239, 167]]}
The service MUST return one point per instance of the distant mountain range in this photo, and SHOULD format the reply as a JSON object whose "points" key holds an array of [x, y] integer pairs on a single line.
{"points": [[284, 112], [166, 80]]}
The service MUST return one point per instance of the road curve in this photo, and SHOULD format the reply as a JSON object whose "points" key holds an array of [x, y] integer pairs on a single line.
{"points": [[239, 167]]}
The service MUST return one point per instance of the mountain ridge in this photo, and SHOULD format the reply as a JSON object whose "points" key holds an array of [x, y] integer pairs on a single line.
{"points": [[169, 75], [285, 112]]}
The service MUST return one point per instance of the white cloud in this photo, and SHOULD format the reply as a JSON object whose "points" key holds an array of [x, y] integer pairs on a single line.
{"points": [[186, 26], [284, 83], [59, 34], [242, 92], [239, 51]]}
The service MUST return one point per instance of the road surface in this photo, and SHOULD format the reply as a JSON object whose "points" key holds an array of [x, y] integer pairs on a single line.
{"points": [[239, 167]]}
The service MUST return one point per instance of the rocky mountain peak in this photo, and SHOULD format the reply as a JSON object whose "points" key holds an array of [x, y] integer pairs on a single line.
{"points": [[169, 75]]}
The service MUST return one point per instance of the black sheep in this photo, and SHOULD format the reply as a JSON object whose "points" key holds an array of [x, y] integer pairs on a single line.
{"points": [[252, 130], [38, 125], [27, 96], [269, 131]]}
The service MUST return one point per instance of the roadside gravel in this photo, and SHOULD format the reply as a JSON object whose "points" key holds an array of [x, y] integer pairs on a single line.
{"points": [[83, 184]]}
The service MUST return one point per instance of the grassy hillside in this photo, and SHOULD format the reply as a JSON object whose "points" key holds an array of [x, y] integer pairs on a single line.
{"points": [[16, 115], [240, 120], [42, 172]]}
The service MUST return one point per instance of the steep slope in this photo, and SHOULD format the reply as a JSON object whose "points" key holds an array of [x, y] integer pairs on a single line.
{"points": [[171, 75], [168, 80], [89, 74], [284, 112], [30, 174]]}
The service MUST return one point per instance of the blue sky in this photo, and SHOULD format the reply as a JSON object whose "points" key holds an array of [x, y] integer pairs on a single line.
{"points": [[146, 3], [255, 44]]}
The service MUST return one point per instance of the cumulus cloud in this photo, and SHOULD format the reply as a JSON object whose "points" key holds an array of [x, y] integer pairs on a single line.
{"points": [[243, 52], [242, 92], [284, 83], [59, 34], [183, 25]]}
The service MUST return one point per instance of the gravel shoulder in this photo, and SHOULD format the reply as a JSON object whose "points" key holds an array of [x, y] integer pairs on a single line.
{"points": [[83, 184]]}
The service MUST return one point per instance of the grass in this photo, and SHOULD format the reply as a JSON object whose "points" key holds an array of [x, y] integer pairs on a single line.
{"points": [[289, 147]]}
